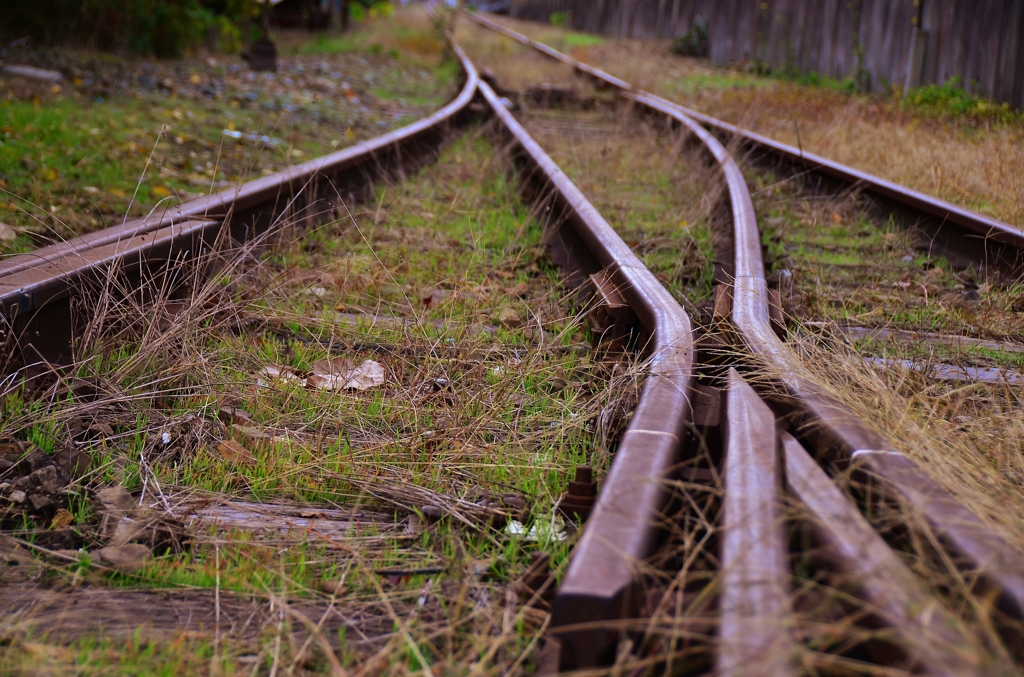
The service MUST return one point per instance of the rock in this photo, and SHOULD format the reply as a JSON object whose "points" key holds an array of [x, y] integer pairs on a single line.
{"points": [[17, 496], [37, 458], [129, 557], [44, 505], [115, 498], [48, 480], [74, 462], [8, 463], [127, 530]]}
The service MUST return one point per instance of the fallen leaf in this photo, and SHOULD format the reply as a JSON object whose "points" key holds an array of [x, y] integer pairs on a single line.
{"points": [[509, 318], [161, 191], [342, 374], [62, 519], [7, 233], [232, 451]]}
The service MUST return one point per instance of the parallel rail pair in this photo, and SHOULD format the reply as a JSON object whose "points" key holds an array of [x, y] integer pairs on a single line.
{"points": [[39, 291]]}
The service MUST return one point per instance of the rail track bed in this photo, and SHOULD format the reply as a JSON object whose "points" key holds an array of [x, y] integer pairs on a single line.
{"points": [[536, 383]]}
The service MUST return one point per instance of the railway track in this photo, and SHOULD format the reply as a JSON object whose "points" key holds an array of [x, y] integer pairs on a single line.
{"points": [[724, 417], [754, 593]]}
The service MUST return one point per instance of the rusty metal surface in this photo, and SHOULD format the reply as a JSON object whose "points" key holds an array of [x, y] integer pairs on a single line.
{"points": [[35, 288], [600, 583], [754, 563], [897, 599]]}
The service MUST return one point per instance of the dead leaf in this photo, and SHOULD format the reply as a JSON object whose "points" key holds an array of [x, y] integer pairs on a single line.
{"points": [[232, 451], [7, 233], [509, 318], [341, 374], [62, 519]]}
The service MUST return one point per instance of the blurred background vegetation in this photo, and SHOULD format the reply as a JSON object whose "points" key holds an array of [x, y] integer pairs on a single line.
{"points": [[162, 28]]}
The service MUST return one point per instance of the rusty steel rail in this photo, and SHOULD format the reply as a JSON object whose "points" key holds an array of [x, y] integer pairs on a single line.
{"points": [[37, 289], [831, 429], [600, 585]]}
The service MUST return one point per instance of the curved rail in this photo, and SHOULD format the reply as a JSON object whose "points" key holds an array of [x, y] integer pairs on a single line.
{"points": [[831, 429], [600, 584], [36, 288]]}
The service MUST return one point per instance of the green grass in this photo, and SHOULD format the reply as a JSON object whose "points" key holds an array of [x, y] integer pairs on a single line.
{"points": [[716, 81], [329, 44], [570, 40], [135, 657], [499, 427]]}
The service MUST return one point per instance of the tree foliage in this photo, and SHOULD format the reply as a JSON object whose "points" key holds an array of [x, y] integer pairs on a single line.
{"points": [[163, 28]]}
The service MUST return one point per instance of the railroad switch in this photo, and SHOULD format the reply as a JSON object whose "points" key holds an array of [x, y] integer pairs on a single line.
{"points": [[579, 500]]}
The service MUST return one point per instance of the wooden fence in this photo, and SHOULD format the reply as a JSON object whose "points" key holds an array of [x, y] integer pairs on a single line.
{"points": [[979, 41]]}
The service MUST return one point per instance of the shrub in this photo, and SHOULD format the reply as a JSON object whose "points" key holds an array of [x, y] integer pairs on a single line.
{"points": [[559, 19], [163, 28], [693, 42], [953, 100]]}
